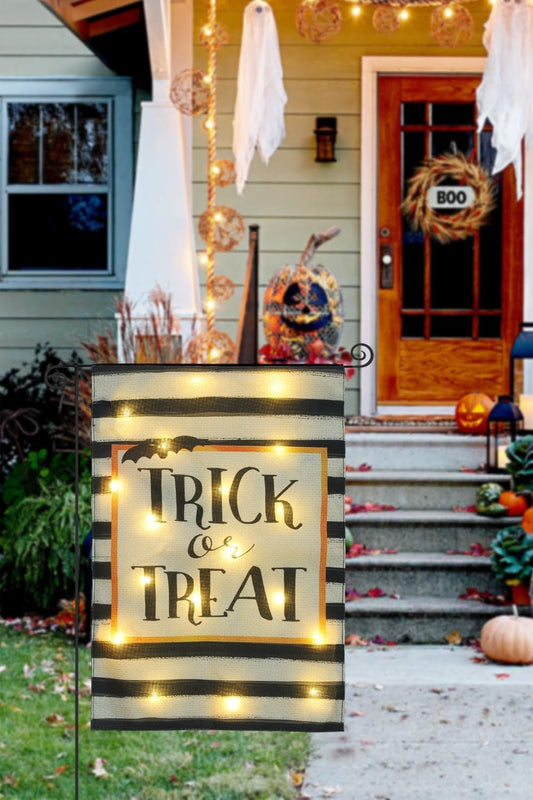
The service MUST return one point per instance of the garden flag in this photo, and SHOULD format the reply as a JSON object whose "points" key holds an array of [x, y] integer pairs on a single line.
{"points": [[218, 547]]}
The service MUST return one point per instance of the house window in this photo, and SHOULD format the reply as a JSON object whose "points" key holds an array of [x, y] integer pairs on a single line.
{"points": [[66, 196]]}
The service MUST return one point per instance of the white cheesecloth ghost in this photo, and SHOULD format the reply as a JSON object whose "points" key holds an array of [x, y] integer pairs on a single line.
{"points": [[505, 95], [261, 98]]}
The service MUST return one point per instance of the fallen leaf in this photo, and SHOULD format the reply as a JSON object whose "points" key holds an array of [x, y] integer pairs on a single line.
{"points": [[55, 719], [357, 714], [502, 675], [16, 709], [355, 641], [454, 637], [366, 742], [99, 770], [297, 779], [10, 780], [38, 688], [437, 691], [329, 791], [378, 687], [375, 592], [520, 752], [393, 708], [28, 671], [2, 667]]}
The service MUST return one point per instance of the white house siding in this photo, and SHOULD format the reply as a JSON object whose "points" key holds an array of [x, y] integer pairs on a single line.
{"points": [[294, 196], [34, 43]]}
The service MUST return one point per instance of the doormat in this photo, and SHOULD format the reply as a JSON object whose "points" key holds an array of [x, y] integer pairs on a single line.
{"points": [[431, 423]]}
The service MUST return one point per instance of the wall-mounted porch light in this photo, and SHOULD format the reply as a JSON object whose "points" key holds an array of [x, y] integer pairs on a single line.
{"points": [[326, 134]]}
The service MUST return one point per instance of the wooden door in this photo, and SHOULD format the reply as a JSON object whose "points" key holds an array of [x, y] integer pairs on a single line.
{"points": [[447, 313]]}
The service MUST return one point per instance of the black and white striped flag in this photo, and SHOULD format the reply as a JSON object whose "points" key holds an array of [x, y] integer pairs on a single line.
{"points": [[218, 547]]}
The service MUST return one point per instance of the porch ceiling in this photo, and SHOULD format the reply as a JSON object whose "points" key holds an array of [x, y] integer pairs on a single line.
{"points": [[113, 29]]}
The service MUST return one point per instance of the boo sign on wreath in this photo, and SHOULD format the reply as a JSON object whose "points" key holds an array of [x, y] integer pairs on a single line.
{"points": [[218, 547]]}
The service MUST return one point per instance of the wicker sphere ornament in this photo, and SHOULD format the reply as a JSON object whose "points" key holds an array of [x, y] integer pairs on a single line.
{"points": [[217, 33], [303, 309], [386, 19], [223, 171], [189, 92], [214, 347], [318, 20], [227, 224], [451, 25], [222, 288]]}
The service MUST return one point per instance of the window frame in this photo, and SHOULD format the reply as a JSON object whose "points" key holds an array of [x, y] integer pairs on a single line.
{"points": [[117, 93]]}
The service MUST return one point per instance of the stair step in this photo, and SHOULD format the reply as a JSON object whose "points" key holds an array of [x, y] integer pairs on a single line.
{"points": [[420, 620], [421, 574], [410, 489], [415, 451], [423, 530]]}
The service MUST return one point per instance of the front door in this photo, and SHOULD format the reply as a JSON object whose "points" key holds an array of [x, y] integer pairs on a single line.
{"points": [[447, 313]]}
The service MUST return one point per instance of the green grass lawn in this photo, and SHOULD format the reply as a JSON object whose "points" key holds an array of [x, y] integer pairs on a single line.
{"points": [[37, 741]]}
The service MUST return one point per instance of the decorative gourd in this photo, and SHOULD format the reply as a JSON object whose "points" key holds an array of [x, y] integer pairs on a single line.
{"points": [[303, 309], [527, 520], [472, 412], [487, 500], [515, 503], [508, 638]]}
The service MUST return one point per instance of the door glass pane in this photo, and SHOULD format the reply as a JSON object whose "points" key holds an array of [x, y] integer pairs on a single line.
{"points": [[413, 113], [413, 270], [452, 274], [447, 141], [412, 327], [490, 257], [413, 154], [490, 327], [451, 327], [68, 231], [452, 114], [24, 139]]}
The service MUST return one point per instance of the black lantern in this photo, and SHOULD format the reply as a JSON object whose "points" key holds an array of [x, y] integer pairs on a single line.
{"points": [[326, 135], [522, 349], [505, 420]]}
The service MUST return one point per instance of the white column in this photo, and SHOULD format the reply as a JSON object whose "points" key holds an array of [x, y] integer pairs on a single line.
{"points": [[162, 247]]}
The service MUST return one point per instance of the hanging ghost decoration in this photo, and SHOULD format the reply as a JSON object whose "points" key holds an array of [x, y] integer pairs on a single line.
{"points": [[505, 95], [261, 98]]}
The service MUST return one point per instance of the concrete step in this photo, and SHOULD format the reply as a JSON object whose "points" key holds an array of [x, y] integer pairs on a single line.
{"points": [[415, 451], [425, 531], [410, 489], [421, 574], [420, 620]]}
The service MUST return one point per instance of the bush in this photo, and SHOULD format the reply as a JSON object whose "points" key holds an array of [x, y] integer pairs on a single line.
{"points": [[32, 412], [37, 564]]}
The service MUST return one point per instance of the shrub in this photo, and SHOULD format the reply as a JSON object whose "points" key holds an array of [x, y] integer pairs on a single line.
{"points": [[37, 536], [31, 409]]}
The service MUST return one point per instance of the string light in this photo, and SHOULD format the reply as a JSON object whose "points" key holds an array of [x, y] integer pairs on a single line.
{"points": [[403, 15], [232, 703], [114, 485], [278, 598], [356, 10], [318, 638], [448, 12], [118, 638]]}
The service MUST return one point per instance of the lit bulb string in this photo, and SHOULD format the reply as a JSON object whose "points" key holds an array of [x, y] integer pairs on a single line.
{"points": [[211, 158]]}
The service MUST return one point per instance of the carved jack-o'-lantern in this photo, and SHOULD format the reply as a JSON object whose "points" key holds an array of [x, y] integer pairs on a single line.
{"points": [[303, 308], [472, 412]]}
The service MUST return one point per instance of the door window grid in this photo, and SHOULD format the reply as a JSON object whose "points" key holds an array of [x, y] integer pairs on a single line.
{"points": [[420, 319]]}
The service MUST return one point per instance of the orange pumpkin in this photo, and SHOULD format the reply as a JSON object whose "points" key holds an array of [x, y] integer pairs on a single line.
{"points": [[516, 504], [472, 411], [527, 520], [508, 638]]}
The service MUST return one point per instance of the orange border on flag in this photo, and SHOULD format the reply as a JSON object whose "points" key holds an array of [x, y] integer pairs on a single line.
{"points": [[321, 629]]}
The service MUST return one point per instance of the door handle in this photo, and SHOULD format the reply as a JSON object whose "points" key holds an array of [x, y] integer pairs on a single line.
{"points": [[386, 272]]}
